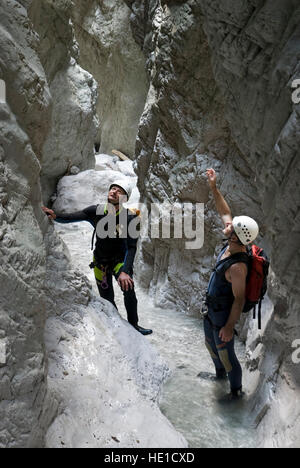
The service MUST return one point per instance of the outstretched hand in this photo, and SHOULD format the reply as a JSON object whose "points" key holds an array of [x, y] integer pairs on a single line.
{"points": [[48, 212], [212, 177]]}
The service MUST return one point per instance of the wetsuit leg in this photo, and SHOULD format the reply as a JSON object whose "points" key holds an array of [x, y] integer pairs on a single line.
{"points": [[107, 293], [229, 360], [211, 345], [130, 302]]}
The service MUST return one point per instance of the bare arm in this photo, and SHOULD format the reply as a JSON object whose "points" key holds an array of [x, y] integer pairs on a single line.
{"points": [[237, 274], [221, 204]]}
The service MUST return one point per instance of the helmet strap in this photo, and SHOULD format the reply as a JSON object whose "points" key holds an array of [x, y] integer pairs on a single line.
{"points": [[235, 241]]}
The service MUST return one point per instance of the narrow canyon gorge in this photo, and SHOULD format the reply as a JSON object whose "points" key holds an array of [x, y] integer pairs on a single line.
{"points": [[177, 86]]}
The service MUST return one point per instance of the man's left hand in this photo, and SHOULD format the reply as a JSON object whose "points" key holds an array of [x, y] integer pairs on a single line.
{"points": [[226, 333], [125, 281]]}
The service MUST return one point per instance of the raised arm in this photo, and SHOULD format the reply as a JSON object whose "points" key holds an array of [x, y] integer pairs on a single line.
{"points": [[221, 204]]}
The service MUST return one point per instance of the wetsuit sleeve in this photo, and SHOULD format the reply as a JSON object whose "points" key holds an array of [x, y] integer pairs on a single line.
{"points": [[129, 259], [130, 252], [88, 214]]}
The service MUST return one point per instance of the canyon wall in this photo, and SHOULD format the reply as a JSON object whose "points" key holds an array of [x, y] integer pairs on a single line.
{"points": [[206, 83], [25, 118], [109, 52], [74, 91], [96, 75], [64, 354], [220, 96]]}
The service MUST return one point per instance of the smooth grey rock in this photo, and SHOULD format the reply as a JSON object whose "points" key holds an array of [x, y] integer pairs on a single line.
{"points": [[24, 122], [74, 121], [74, 125], [109, 52], [220, 96], [47, 312]]}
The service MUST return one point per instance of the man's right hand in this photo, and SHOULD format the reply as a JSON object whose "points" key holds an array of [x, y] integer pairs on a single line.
{"points": [[125, 281], [212, 178], [48, 212], [221, 204]]}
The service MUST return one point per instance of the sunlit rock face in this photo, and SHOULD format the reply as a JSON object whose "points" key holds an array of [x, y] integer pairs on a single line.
{"points": [[96, 73], [109, 51], [74, 92], [220, 95]]}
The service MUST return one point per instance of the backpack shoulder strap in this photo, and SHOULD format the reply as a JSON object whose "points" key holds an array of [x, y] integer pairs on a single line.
{"points": [[134, 211], [240, 257], [100, 211]]}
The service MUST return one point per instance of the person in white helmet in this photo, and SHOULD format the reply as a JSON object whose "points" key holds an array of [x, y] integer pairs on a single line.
{"points": [[225, 297], [114, 252]]}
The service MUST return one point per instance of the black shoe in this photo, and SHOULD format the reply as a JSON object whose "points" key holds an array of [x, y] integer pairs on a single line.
{"points": [[234, 395], [219, 375], [143, 331]]}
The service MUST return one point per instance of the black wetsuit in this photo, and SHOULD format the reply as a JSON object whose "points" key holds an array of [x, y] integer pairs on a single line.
{"points": [[112, 255]]}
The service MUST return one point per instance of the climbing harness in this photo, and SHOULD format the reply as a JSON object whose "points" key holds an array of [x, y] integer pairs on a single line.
{"points": [[103, 283]]}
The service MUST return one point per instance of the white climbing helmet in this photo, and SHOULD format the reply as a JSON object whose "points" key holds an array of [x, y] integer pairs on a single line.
{"points": [[124, 184], [245, 228]]}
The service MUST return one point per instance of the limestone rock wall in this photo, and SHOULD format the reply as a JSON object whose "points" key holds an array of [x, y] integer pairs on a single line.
{"points": [[74, 124], [255, 56], [47, 313], [97, 79], [109, 51], [24, 119], [182, 131], [220, 95]]}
